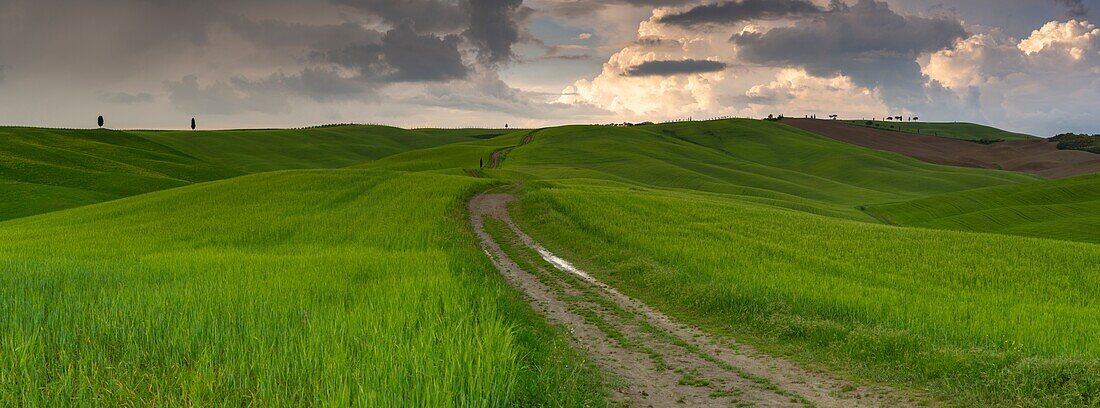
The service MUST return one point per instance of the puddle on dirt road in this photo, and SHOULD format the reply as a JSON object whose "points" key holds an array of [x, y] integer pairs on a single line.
{"points": [[562, 264]]}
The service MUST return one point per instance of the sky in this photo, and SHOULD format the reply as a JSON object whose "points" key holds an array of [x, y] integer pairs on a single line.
{"points": [[1024, 65]]}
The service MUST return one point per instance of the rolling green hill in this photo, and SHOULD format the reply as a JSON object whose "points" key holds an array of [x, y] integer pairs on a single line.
{"points": [[1067, 209], [697, 218], [953, 130], [253, 151], [360, 283], [51, 169], [299, 288], [976, 319], [764, 162]]}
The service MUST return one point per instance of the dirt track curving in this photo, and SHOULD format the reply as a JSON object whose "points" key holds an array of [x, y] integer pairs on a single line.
{"points": [[659, 361], [1037, 157]]}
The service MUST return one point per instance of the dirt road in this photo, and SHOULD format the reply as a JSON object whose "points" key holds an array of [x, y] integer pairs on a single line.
{"points": [[659, 361]]}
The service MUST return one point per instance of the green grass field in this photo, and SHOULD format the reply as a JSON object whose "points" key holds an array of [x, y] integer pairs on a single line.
{"points": [[763, 162], [977, 319], [953, 130], [333, 266], [776, 253], [287, 288], [1067, 209], [48, 169]]}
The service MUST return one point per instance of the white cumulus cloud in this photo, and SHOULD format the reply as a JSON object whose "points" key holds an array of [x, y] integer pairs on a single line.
{"points": [[1048, 82]]}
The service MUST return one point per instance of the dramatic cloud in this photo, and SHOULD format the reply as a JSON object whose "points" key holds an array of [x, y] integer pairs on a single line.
{"points": [[867, 42], [793, 91], [431, 62], [486, 92], [1077, 8], [1046, 83], [403, 55], [667, 68], [494, 28], [731, 12], [657, 77]]}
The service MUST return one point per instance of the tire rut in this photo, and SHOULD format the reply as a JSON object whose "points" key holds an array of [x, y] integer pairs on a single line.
{"points": [[659, 361]]}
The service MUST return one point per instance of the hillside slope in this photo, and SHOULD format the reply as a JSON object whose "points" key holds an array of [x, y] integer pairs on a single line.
{"points": [[295, 288], [50, 169], [760, 161], [1034, 156], [977, 319], [1066, 209], [44, 170], [254, 151], [361, 286]]}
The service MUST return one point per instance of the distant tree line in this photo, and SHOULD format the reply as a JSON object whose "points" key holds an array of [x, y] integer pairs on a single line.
{"points": [[1074, 141]]}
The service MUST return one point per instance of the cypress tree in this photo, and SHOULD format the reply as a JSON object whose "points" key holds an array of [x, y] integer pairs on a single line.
{"points": [[101, 121]]}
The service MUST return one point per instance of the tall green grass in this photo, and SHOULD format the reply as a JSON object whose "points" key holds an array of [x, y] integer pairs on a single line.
{"points": [[975, 318], [253, 151], [81, 167], [1067, 209], [362, 286], [44, 170], [768, 163], [290, 288]]}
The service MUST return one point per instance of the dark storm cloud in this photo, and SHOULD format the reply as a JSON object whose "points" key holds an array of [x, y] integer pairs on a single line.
{"points": [[494, 28], [867, 42], [669, 68], [416, 57], [1077, 9], [731, 12], [403, 55]]}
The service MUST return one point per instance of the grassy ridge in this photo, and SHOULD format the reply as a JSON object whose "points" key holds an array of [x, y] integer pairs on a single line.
{"points": [[50, 169], [954, 130], [978, 319], [1067, 209], [455, 158], [47, 169], [253, 151], [292, 288], [764, 162]]}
